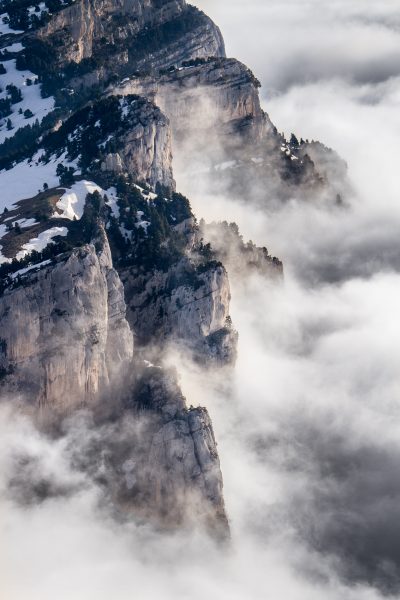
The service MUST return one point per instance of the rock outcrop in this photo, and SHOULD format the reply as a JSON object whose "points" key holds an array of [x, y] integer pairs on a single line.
{"points": [[66, 344], [105, 38], [86, 25], [218, 94], [144, 148], [118, 135], [63, 330], [225, 244], [186, 305], [163, 461]]}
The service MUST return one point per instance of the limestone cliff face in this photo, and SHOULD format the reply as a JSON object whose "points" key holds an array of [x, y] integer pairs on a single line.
{"points": [[201, 96], [63, 330], [183, 305], [106, 38], [176, 473], [68, 324], [66, 344], [144, 147], [88, 21], [202, 40], [218, 124]]}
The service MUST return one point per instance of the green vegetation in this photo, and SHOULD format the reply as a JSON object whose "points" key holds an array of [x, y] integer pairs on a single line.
{"points": [[157, 246], [14, 94]]}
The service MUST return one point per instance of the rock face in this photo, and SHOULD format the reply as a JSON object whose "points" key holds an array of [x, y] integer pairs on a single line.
{"points": [[144, 147], [63, 330], [66, 344], [174, 471], [218, 124], [183, 305], [203, 95], [127, 135], [108, 37], [88, 21], [240, 258]]}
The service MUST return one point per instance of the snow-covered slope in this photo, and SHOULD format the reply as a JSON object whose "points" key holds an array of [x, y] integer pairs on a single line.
{"points": [[32, 107]]}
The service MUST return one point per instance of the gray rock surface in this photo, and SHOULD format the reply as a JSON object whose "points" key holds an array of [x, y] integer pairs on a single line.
{"points": [[185, 306], [123, 36], [88, 21], [220, 93], [219, 125], [144, 146], [154, 459], [63, 330], [181, 468], [67, 326]]}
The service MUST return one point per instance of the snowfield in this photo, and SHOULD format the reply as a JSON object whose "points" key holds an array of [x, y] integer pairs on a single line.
{"points": [[72, 202], [26, 179]]}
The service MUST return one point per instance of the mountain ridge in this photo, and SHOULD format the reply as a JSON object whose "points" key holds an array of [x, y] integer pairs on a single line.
{"points": [[103, 263]]}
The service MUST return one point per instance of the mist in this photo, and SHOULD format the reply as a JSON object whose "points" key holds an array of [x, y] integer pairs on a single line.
{"points": [[308, 423]]}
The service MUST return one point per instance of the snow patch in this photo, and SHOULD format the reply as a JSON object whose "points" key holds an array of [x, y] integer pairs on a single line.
{"points": [[72, 202], [17, 47], [111, 194], [30, 268], [126, 233], [26, 222], [40, 242], [42, 9], [140, 222], [26, 179], [5, 28], [147, 195], [124, 106], [3, 231]]}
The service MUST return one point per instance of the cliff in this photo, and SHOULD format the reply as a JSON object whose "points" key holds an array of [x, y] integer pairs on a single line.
{"points": [[185, 304], [163, 462], [102, 263], [219, 125], [205, 96], [66, 344], [63, 330], [93, 41]]}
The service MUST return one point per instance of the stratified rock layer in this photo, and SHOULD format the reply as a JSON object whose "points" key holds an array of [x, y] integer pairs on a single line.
{"points": [[106, 37]]}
